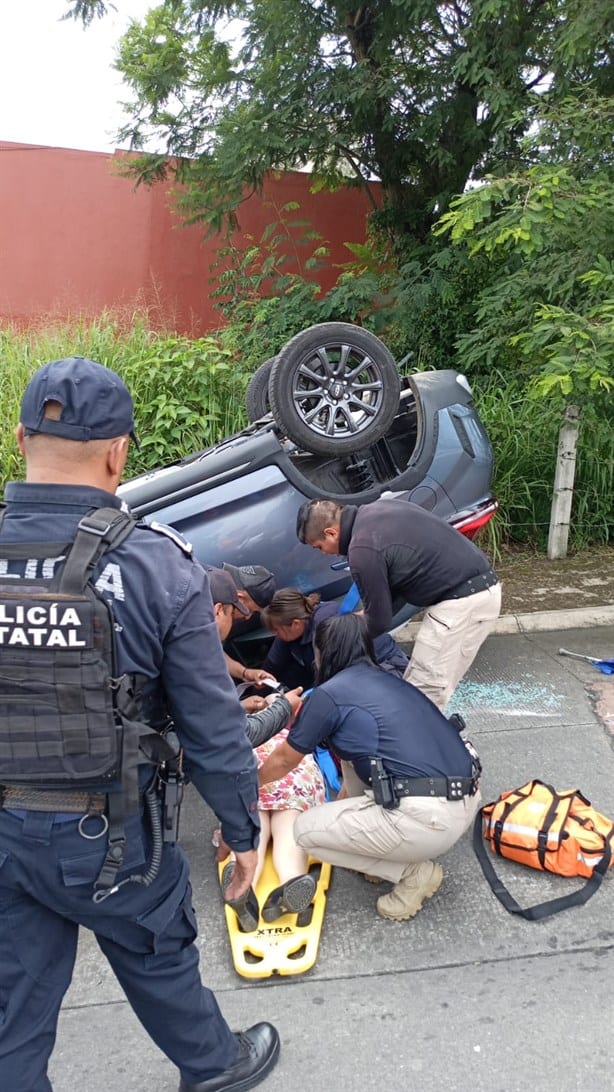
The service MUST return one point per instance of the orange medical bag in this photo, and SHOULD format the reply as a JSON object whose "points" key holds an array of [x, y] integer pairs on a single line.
{"points": [[552, 831]]}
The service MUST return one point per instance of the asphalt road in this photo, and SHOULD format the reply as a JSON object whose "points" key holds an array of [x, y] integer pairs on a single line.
{"points": [[464, 998]]}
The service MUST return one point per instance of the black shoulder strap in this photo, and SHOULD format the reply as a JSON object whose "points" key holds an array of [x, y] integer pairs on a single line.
{"points": [[542, 909], [98, 531]]}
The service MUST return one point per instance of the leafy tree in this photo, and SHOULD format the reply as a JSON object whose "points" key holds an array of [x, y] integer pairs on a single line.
{"points": [[550, 304], [423, 96], [87, 10]]}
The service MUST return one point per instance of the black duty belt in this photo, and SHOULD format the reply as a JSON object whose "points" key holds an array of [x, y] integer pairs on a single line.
{"points": [[453, 788], [24, 798], [473, 585]]}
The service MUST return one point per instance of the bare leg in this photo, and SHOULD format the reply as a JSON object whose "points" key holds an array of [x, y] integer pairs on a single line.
{"points": [[289, 859], [296, 886], [265, 837]]}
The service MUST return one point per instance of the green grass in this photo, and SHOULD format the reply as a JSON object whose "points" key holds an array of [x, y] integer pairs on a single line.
{"points": [[190, 393]]}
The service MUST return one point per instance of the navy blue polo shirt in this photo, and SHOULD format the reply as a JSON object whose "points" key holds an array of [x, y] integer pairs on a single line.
{"points": [[365, 712]]}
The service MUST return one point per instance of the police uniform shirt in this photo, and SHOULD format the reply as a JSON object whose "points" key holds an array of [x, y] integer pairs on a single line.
{"points": [[366, 712], [165, 630]]}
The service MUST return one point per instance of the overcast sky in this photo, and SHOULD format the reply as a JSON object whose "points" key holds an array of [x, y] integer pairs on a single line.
{"points": [[56, 82]]}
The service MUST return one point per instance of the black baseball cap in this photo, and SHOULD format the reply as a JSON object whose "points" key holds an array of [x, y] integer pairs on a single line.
{"points": [[224, 589], [255, 580], [96, 403]]}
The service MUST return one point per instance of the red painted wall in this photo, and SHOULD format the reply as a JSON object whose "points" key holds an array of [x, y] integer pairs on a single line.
{"points": [[76, 238]]}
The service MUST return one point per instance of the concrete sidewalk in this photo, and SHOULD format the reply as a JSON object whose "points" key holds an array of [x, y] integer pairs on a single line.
{"points": [[464, 998], [533, 621]]}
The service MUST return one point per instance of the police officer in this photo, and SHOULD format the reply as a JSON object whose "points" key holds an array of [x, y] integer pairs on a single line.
{"points": [[266, 718], [255, 587], [411, 783], [293, 616], [399, 552], [74, 432]]}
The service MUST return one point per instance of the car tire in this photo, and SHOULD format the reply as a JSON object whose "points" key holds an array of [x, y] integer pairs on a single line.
{"points": [[334, 388], [257, 401]]}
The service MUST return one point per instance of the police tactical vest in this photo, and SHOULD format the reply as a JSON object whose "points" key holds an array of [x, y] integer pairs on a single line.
{"points": [[65, 715]]}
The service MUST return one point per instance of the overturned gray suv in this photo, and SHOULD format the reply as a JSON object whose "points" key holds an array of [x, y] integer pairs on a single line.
{"points": [[330, 417]]}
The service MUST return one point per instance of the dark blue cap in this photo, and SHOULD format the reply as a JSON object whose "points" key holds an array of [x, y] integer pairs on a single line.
{"points": [[223, 589], [255, 580], [96, 404]]}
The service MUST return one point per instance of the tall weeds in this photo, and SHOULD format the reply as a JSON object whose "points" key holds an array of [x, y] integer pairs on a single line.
{"points": [[524, 435], [188, 393]]}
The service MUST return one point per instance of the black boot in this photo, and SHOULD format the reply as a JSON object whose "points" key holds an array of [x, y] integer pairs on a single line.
{"points": [[258, 1053], [291, 897], [246, 906]]}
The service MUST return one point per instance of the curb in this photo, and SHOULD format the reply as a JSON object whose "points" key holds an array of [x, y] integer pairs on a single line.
{"points": [[577, 618]]}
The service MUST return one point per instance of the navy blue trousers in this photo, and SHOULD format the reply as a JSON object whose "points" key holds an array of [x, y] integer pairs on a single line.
{"points": [[47, 871]]}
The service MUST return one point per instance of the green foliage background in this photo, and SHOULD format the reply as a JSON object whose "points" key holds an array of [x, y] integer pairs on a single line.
{"points": [[188, 394]]}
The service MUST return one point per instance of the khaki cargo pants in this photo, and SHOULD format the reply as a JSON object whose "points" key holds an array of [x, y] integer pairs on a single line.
{"points": [[359, 834], [448, 641]]}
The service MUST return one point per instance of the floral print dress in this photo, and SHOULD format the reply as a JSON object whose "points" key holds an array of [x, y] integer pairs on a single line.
{"points": [[300, 789]]}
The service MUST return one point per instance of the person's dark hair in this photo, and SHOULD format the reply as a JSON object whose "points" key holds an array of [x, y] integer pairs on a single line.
{"points": [[288, 604], [314, 516], [340, 641]]}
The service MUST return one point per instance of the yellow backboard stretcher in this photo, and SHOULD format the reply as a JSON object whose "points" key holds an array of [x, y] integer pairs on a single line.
{"points": [[286, 946]]}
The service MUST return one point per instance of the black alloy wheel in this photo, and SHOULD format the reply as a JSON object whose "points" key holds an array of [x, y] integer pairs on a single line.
{"points": [[334, 388]]}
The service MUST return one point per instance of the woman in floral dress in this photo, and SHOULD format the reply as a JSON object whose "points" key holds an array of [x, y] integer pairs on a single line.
{"points": [[279, 804]]}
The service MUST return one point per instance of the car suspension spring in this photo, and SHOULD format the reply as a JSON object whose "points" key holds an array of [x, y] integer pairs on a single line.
{"points": [[360, 475]]}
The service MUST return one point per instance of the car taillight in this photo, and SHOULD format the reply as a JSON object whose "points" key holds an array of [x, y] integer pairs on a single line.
{"points": [[469, 523]]}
